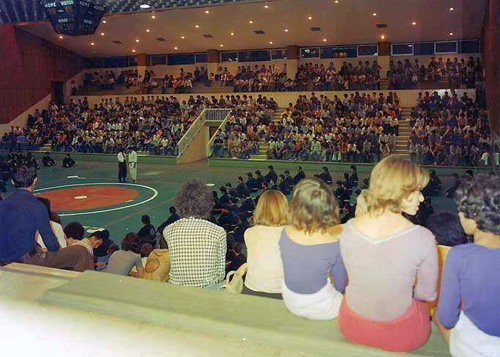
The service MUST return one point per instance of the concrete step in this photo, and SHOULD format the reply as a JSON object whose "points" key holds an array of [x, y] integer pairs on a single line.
{"points": [[260, 157]]}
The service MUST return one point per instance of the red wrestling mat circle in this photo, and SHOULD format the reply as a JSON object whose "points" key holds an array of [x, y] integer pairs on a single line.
{"points": [[88, 197]]}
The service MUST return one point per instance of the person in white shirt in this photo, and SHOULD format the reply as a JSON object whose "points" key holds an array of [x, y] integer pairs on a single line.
{"points": [[265, 267], [132, 163], [122, 166]]}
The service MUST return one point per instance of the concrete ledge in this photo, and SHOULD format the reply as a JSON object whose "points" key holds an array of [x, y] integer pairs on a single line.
{"points": [[143, 158], [220, 316]]}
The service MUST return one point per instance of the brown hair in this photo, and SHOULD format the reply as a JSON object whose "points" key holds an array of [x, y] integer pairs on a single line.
{"points": [[272, 209], [313, 207], [391, 181], [194, 199]]}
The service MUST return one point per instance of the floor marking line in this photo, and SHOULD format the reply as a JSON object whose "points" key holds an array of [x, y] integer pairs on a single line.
{"points": [[139, 212], [155, 194]]}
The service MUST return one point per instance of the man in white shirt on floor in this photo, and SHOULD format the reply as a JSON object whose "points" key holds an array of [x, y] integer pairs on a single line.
{"points": [[132, 163]]}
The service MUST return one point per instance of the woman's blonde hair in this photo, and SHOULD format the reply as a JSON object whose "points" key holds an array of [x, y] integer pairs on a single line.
{"points": [[313, 207], [272, 209], [391, 181]]}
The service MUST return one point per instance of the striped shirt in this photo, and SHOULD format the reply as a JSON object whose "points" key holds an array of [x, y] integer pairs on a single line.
{"points": [[197, 252]]}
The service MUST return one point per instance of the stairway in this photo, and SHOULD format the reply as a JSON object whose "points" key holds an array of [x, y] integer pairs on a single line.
{"points": [[214, 88], [384, 83], [45, 148], [404, 134]]}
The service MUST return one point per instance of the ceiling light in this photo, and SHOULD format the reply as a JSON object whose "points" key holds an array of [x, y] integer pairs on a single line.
{"points": [[286, 30], [197, 26], [61, 37], [221, 45], [413, 23], [270, 42], [324, 40], [145, 6], [232, 33], [310, 18], [175, 48], [92, 43], [266, 6], [207, 12], [374, 14], [382, 37], [137, 40], [182, 37], [102, 33], [133, 51], [148, 30], [250, 22], [336, 1], [103, 21], [153, 17], [451, 33], [452, 8]]}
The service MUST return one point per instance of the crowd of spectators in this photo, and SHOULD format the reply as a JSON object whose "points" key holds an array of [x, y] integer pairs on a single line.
{"points": [[299, 253], [450, 130], [151, 124], [458, 73], [183, 83], [355, 128]]}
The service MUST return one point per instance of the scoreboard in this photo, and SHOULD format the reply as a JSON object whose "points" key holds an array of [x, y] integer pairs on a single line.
{"points": [[74, 17]]}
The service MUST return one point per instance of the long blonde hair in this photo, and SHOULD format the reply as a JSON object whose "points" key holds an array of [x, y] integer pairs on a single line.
{"points": [[272, 209], [391, 181]]}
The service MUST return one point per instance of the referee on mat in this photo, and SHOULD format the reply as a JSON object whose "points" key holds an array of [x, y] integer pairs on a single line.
{"points": [[122, 166]]}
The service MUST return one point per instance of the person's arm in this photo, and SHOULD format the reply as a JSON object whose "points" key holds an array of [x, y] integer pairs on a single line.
{"points": [[426, 288], [221, 254], [43, 226], [339, 274], [448, 309], [138, 266]]}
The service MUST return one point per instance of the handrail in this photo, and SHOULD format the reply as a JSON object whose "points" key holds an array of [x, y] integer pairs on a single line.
{"points": [[190, 133], [221, 127]]}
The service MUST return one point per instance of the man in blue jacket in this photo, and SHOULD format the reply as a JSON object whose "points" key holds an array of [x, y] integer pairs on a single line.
{"points": [[21, 216]]}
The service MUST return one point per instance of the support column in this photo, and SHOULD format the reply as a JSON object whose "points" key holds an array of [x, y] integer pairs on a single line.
{"points": [[141, 64], [292, 62], [384, 57], [213, 61]]}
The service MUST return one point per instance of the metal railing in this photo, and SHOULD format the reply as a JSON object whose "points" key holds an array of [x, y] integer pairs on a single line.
{"points": [[191, 133], [217, 114], [221, 127]]}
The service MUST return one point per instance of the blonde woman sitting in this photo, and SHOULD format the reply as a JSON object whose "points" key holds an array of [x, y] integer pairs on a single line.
{"points": [[384, 253], [265, 268], [310, 252]]}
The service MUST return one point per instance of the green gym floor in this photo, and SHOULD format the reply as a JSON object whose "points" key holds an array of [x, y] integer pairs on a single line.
{"points": [[89, 192]]}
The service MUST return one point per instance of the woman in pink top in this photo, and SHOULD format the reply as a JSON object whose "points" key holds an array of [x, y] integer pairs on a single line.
{"points": [[391, 263]]}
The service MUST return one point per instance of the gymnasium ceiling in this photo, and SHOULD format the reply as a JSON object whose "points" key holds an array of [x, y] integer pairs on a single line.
{"points": [[232, 24]]}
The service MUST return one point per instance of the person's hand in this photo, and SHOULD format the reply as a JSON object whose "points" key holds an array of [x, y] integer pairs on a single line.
{"points": [[99, 264]]}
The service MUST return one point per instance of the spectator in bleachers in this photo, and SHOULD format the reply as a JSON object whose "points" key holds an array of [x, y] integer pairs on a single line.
{"points": [[382, 307], [447, 130], [21, 216], [56, 227], [197, 247], [265, 267], [122, 261], [468, 307], [311, 253]]}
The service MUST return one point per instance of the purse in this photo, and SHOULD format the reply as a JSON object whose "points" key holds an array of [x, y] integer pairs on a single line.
{"points": [[235, 285]]}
